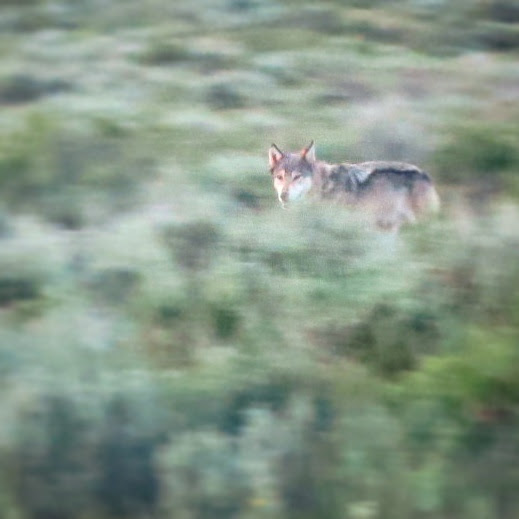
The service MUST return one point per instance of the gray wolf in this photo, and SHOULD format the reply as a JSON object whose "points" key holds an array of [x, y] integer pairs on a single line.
{"points": [[391, 194]]}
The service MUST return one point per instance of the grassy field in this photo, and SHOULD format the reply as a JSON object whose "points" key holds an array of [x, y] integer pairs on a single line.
{"points": [[173, 344]]}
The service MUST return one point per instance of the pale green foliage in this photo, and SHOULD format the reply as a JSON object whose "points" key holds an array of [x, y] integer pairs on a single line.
{"points": [[173, 343]]}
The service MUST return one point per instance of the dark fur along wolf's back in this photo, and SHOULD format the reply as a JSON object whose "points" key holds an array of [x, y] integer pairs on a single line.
{"points": [[393, 193]]}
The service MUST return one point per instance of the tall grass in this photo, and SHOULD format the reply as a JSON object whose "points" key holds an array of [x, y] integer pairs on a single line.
{"points": [[174, 344]]}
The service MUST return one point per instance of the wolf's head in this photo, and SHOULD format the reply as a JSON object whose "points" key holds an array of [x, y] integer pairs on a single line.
{"points": [[292, 173]]}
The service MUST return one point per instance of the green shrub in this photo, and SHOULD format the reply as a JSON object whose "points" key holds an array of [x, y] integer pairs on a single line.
{"points": [[18, 2], [497, 36], [53, 459], [192, 245], [164, 53], [472, 154], [25, 88], [25, 269], [49, 169], [501, 10], [472, 394], [226, 320], [224, 96], [16, 289], [387, 339], [88, 451], [114, 285], [203, 477], [128, 482]]}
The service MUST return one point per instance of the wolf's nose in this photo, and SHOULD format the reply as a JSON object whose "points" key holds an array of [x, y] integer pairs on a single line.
{"points": [[284, 196]]}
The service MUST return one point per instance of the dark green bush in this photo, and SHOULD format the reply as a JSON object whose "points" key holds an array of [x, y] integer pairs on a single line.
{"points": [[18, 289], [192, 245], [25, 88], [204, 478], [164, 53], [473, 154], [498, 36], [87, 453], [128, 483], [114, 285], [53, 460], [273, 393], [226, 320], [492, 26], [46, 168], [19, 2], [387, 339], [501, 10], [224, 97], [5, 228]]}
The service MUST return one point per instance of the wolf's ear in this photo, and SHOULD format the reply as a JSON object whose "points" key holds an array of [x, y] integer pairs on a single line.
{"points": [[308, 153], [275, 155]]}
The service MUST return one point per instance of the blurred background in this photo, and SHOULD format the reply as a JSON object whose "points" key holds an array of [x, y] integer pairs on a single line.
{"points": [[173, 344]]}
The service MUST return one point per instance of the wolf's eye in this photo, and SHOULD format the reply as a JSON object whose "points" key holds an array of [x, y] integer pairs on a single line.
{"points": [[297, 176], [280, 177]]}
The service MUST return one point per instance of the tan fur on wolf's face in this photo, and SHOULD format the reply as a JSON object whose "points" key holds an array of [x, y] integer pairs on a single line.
{"points": [[291, 186], [292, 173]]}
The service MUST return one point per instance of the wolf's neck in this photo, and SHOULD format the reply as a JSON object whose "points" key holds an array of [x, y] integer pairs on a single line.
{"points": [[325, 168], [334, 179]]}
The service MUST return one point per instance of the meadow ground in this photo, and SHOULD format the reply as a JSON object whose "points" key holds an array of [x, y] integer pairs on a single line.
{"points": [[173, 344]]}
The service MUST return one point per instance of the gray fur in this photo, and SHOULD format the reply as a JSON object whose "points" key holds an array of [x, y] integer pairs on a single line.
{"points": [[393, 193]]}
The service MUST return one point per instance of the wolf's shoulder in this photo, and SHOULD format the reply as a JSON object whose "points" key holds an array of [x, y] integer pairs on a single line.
{"points": [[360, 172]]}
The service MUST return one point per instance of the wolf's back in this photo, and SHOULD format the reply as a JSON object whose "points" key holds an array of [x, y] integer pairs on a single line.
{"points": [[422, 195]]}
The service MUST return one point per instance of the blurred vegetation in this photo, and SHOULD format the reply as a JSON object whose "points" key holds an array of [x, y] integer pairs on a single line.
{"points": [[173, 344]]}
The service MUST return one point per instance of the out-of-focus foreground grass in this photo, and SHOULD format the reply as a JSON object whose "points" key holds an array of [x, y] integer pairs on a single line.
{"points": [[173, 344]]}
